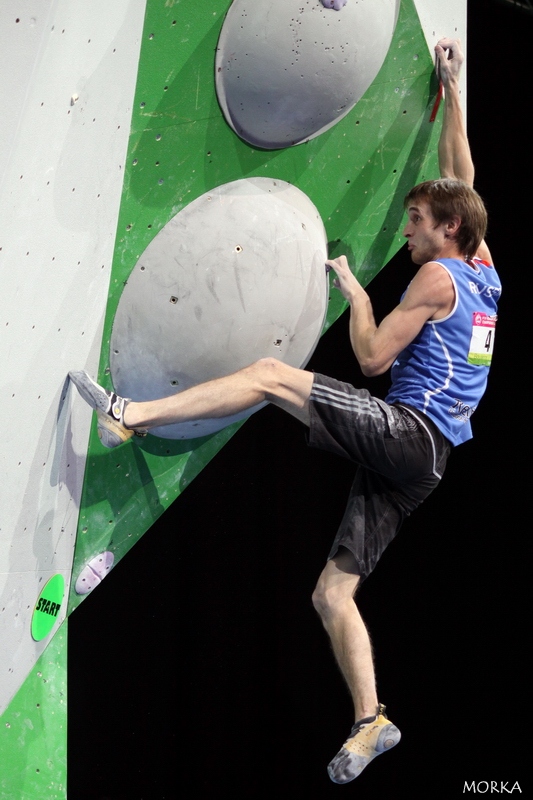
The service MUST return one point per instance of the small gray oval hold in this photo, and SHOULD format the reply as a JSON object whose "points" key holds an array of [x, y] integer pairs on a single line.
{"points": [[94, 572]]}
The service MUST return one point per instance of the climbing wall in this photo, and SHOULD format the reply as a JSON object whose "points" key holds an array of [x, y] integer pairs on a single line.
{"points": [[111, 130]]}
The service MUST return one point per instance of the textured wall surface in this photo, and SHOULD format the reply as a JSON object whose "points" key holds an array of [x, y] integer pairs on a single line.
{"points": [[111, 129]]}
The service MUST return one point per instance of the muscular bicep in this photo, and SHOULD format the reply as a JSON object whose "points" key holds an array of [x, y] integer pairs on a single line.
{"points": [[431, 295], [395, 332]]}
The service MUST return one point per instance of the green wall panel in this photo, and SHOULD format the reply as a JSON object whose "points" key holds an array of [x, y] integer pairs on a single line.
{"points": [[33, 730]]}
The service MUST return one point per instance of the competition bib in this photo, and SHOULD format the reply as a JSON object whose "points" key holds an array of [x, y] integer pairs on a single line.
{"points": [[482, 341]]}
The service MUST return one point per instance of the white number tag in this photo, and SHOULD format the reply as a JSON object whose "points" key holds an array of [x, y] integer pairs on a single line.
{"points": [[482, 341]]}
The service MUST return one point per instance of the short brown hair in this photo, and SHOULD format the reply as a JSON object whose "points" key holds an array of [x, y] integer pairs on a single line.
{"points": [[448, 197]]}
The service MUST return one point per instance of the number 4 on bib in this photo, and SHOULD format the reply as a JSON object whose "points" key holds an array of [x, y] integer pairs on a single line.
{"points": [[482, 341]]}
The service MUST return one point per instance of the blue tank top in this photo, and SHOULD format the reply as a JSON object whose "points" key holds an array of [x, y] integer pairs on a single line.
{"points": [[443, 372]]}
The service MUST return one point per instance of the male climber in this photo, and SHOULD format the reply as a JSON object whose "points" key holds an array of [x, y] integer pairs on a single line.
{"points": [[438, 341]]}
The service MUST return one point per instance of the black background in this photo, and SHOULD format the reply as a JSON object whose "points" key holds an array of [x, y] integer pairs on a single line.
{"points": [[199, 667]]}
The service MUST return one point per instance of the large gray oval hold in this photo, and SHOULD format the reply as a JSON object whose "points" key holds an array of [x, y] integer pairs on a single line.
{"points": [[288, 70], [237, 275]]}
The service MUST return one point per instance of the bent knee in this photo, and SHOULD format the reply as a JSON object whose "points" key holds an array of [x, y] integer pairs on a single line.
{"points": [[331, 594], [265, 374], [280, 381], [265, 367], [326, 599], [318, 598], [268, 364]]}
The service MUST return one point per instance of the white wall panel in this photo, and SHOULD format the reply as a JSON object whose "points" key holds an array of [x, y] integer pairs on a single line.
{"points": [[448, 19], [68, 77]]}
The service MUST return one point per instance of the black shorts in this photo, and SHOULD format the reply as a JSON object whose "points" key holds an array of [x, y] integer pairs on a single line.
{"points": [[401, 456]]}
